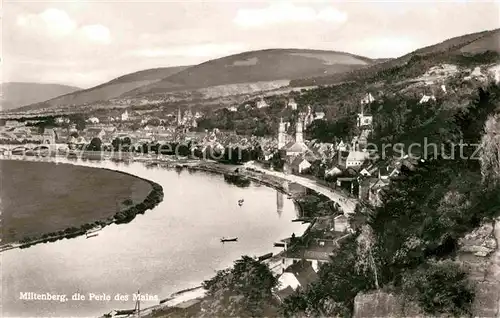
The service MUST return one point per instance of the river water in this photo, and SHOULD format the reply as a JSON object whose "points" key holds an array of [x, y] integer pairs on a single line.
{"points": [[170, 248]]}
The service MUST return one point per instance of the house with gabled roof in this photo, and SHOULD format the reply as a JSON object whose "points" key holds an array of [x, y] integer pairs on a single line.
{"points": [[284, 293], [365, 173], [375, 192], [299, 165], [291, 104], [356, 158]]}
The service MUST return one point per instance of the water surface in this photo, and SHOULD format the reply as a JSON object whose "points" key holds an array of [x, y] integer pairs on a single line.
{"points": [[172, 247]]}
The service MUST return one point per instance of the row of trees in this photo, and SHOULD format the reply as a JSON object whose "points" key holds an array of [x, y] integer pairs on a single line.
{"points": [[232, 155]]}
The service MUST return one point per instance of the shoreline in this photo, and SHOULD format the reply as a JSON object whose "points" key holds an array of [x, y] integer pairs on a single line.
{"points": [[213, 167], [190, 293]]}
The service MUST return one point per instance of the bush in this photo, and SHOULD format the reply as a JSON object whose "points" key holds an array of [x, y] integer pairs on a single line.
{"points": [[440, 288]]}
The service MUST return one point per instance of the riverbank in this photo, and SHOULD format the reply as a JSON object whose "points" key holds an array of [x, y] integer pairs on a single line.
{"points": [[123, 215], [215, 168]]}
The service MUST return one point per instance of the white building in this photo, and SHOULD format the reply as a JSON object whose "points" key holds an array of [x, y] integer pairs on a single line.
{"points": [[356, 158], [364, 120], [367, 99], [341, 146], [300, 165], [319, 115], [281, 134], [261, 103], [292, 104], [426, 98], [298, 146], [125, 116], [93, 120], [443, 88]]}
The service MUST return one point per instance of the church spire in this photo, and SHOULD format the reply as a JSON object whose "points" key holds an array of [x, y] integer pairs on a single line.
{"points": [[281, 134], [298, 132]]}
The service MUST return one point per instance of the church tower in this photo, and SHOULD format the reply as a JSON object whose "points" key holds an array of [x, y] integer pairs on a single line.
{"points": [[179, 122], [299, 138], [281, 135]]}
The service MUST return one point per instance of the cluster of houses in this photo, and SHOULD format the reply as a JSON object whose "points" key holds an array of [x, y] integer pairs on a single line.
{"points": [[353, 169], [300, 263], [23, 132]]}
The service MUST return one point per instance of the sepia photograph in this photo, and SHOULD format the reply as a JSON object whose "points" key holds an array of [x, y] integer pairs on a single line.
{"points": [[268, 158]]}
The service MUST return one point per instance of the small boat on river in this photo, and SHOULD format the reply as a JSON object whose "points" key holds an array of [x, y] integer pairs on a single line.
{"points": [[229, 239], [93, 231], [240, 202]]}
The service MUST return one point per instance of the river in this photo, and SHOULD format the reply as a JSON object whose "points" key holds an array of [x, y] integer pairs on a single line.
{"points": [[170, 248]]}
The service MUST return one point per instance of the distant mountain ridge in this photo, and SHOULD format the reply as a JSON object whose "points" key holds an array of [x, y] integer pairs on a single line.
{"points": [[247, 67], [452, 50], [108, 90], [17, 94], [300, 67], [257, 66]]}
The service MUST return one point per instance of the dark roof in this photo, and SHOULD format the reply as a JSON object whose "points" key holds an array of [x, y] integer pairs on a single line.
{"points": [[304, 273], [188, 303], [284, 293], [299, 147], [298, 160]]}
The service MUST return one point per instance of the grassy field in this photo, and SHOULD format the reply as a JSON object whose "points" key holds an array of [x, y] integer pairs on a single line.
{"points": [[39, 197]]}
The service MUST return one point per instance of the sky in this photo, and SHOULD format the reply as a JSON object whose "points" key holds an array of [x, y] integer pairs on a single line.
{"points": [[86, 43]]}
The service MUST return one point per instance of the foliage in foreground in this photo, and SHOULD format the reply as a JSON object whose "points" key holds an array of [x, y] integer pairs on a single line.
{"points": [[440, 288], [245, 290], [423, 215], [333, 294]]}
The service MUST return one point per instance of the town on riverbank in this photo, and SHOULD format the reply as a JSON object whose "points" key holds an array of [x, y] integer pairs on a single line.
{"points": [[347, 182], [180, 162]]}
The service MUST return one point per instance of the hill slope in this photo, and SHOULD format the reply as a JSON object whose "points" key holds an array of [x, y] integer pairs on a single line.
{"points": [[485, 45], [257, 66], [17, 94], [111, 89]]}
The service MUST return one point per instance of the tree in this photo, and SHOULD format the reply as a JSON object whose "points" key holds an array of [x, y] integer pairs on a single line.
{"points": [[154, 122], [244, 290], [366, 242], [79, 121], [440, 288], [95, 144], [332, 295], [490, 150]]}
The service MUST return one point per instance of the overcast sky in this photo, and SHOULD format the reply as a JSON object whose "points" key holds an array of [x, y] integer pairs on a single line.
{"points": [[85, 43]]}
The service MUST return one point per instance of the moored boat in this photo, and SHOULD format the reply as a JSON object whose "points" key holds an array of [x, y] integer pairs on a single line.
{"points": [[93, 231], [229, 239]]}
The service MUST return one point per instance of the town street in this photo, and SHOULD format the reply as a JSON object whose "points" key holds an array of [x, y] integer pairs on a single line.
{"points": [[346, 204]]}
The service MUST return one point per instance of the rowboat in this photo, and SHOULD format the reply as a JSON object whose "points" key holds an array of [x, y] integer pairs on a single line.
{"points": [[229, 239], [92, 235], [93, 231]]}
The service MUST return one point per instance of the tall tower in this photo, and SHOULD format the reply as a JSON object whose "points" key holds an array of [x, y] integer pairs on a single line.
{"points": [[299, 138], [179, 117], [281, 134], [279, 202]]}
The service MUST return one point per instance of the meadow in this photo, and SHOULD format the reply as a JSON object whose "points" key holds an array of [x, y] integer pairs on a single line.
{"points": [[40, 197]]}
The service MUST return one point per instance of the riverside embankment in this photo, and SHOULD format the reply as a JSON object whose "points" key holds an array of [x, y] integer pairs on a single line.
{"points": [[172, 247]]}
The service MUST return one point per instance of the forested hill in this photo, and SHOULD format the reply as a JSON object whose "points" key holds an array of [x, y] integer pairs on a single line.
{"points": [[482, 47], [17, 94]]}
